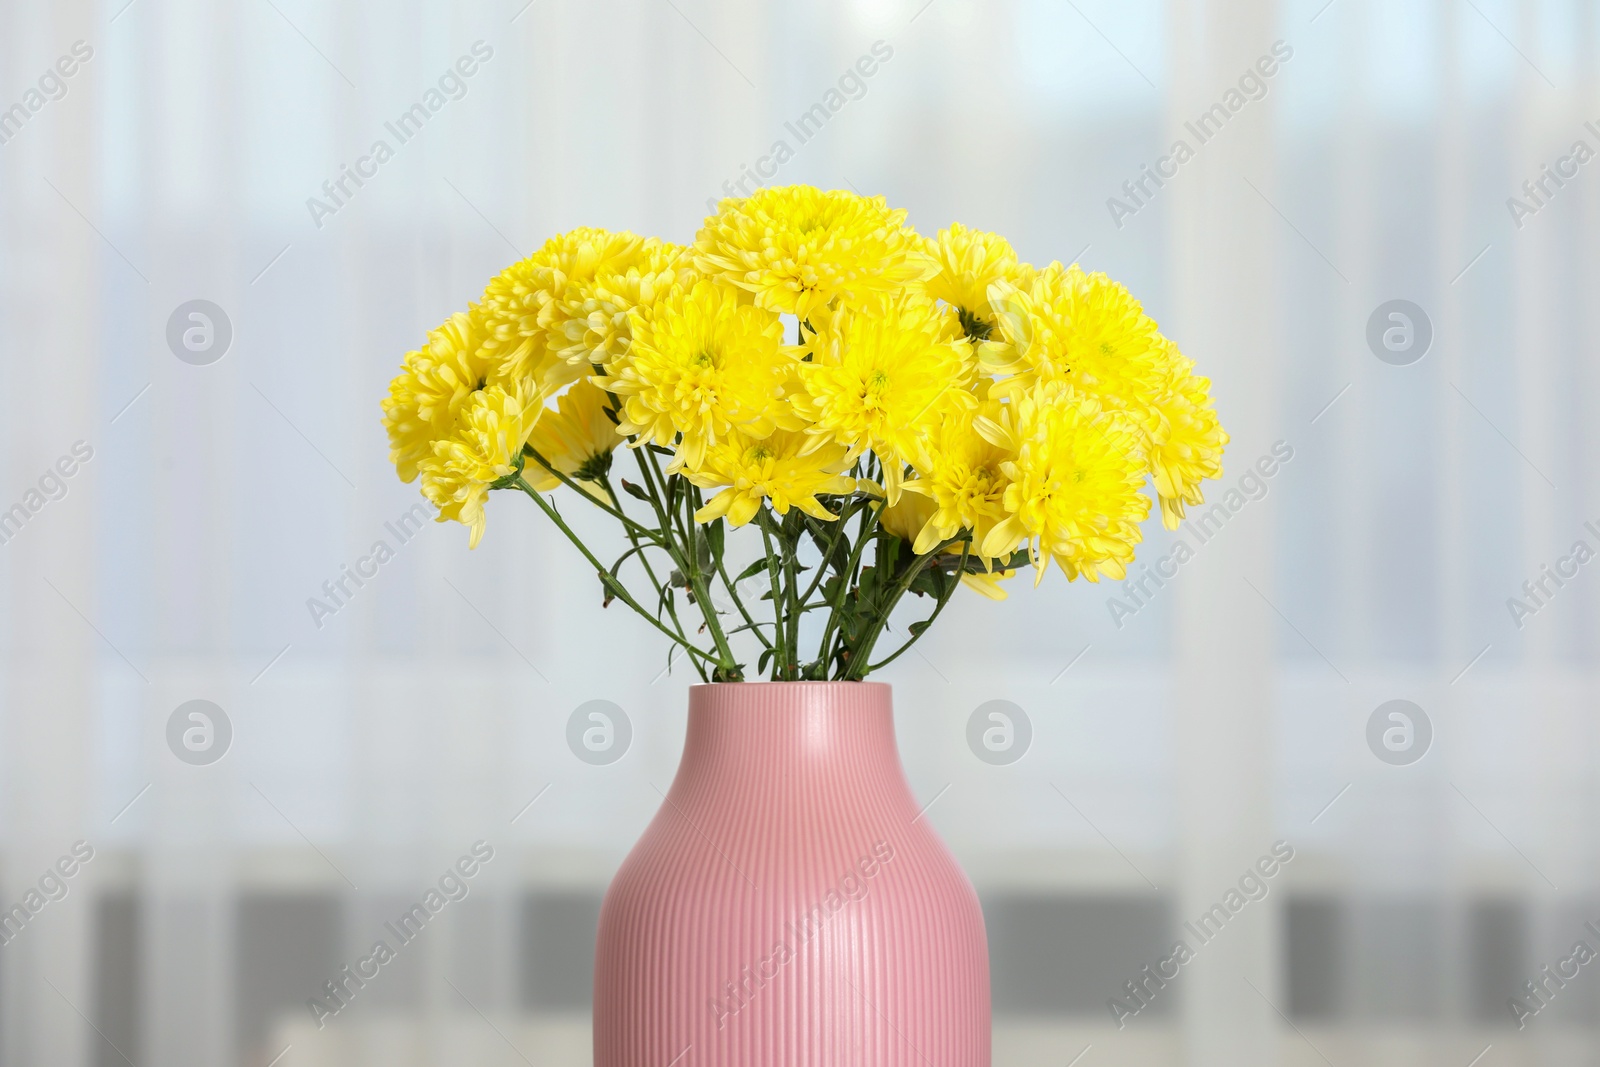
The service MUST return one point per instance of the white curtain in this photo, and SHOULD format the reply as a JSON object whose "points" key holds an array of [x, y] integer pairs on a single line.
{"points": [[374, 740]]}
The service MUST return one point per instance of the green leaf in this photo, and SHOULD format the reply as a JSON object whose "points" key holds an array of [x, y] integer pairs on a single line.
{"points": [[635, 491], [636, 550], [758, 567], [832, 541], [702, 548], [866, 589], [761, 664], [840, 559], [920, 627], [889, 553], [714, 535], [793, 523], [851, 623]]}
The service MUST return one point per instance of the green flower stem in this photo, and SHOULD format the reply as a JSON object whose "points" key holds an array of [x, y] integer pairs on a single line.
{"points": [[664, 487], [826, 653], [659, 489], [621, 593], [674, 501], [648, 472], [733, 592], [955, 583], [781, 655], [633, 529], [859, 668], [833, 542], [789, 591], [791, 564], [660, 538], [728, 669], [633, 538], [684, 552], [615, 513], [639, 548]]}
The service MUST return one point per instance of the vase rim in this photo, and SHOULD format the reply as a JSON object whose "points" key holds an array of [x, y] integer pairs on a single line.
{"points": [[768, 682]]}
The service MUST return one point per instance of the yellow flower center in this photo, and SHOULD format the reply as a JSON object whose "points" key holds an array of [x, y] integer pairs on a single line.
{"points": [[971, 488], [703, 358], [759, 452]]}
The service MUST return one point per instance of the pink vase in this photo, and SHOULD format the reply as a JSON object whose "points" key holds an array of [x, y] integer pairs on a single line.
{"points": [[788, 906]]}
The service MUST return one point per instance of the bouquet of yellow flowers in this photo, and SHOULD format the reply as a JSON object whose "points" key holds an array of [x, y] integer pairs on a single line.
{"points": [[945, 415]]}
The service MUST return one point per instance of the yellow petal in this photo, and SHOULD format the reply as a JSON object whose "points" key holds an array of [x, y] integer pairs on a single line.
{"points": [[716, 507], [743, 509], [986, 584], [1004, 538]]}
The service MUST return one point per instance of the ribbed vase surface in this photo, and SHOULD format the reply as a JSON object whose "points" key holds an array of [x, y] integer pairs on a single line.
{"points": [[788, 906]]}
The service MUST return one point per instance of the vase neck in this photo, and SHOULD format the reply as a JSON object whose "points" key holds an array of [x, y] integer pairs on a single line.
{"points": [[799, 732]]}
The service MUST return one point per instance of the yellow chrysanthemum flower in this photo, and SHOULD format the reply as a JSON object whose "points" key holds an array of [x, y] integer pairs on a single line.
{"points": [[703, 364], [1084, 329], [970, 263], [590, 322], [1075, 483], [908, 517], [483, 449], [784, 468], [1089, 331], [435, 383], [797, 248], [961, 475], [882, 378], [1189, 445], [576, 439], [526, 300]]}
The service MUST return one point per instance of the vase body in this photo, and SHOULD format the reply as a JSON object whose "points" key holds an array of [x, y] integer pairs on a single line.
{"points": [[788, 906]]}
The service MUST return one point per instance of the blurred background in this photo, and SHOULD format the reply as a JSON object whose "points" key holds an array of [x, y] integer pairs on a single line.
{"points": [[1378, 240]]}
